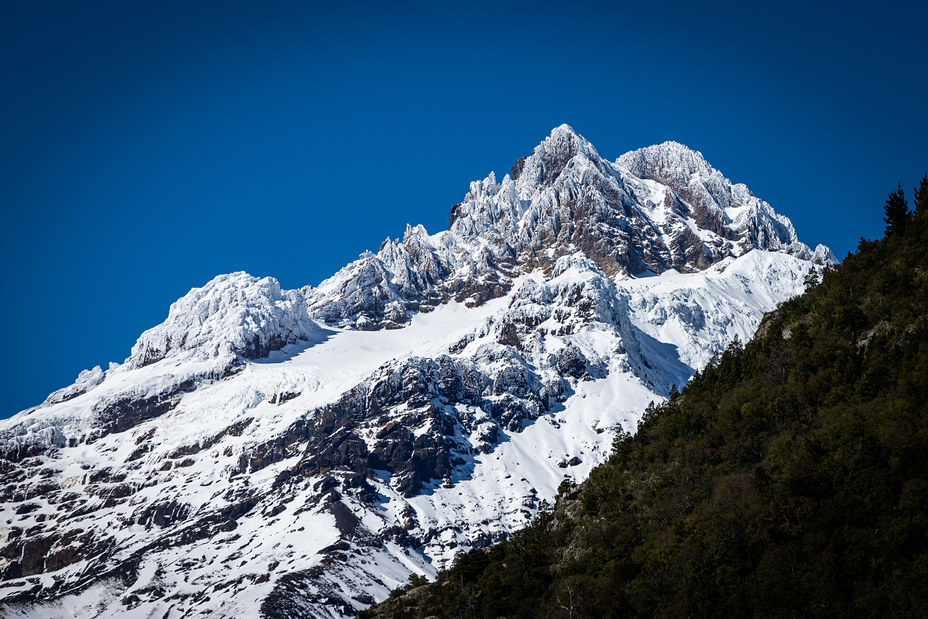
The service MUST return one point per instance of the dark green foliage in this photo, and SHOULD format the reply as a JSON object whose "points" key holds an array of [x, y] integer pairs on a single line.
{"points": [[920, 201], [789, 479], [897, 212]]}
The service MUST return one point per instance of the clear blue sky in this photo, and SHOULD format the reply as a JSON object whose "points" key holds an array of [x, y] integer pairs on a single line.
{"points": [[147, 147]]}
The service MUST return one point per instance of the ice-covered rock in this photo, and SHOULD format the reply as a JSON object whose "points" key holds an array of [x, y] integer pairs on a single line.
{"points": [[824, 256], [232, 314], [86, 380], [727, 216]]}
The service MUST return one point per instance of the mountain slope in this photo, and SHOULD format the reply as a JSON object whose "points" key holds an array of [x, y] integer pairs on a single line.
{"points": [[301, 453], [788, 479]]}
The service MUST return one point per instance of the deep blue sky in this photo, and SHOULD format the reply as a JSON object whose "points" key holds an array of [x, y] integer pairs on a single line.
{"points": [[147, 147]]}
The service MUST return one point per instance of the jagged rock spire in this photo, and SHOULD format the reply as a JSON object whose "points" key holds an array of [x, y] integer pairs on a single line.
{"points": [[653, 209]]}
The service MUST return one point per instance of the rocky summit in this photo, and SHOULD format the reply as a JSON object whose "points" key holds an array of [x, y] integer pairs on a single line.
{"points": [[301, 453]]}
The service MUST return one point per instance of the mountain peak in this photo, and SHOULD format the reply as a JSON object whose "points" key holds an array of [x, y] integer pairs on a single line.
{"points": [[233, 314], [563, 131], [547, 160], [731, 212], [509, 347], [667, 162]]}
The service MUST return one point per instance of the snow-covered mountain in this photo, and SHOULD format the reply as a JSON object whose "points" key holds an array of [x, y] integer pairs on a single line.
{"points": [[301, 453]]}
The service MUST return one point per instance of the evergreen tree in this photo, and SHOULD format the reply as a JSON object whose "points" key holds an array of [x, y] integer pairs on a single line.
{"points": [[897, 212], [920, 201], [812, 279]]}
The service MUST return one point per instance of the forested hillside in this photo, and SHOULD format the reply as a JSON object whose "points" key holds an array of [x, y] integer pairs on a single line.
{"points": [[789, 479]]}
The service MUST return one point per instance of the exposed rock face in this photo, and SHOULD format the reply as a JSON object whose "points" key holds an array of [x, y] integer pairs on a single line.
{"points": [[420, 419], [654, 209], [728, 210], [301, 453]]}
